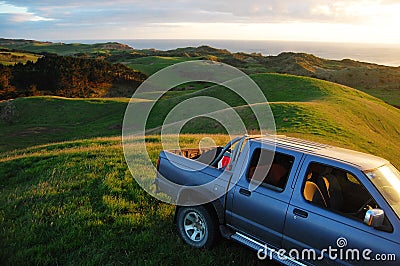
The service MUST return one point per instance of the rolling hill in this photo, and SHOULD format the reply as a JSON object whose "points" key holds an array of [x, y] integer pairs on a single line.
{"points": [[302, 106], [309, 108]]}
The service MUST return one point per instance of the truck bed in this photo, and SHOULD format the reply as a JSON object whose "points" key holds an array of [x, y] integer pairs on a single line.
{"points": [[192, 153], [190, 168]]}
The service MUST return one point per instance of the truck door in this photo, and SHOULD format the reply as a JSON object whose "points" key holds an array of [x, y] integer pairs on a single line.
{"points": [[325, 217], [261, 213]]}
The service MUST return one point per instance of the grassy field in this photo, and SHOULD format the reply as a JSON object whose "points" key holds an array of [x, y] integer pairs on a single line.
{"points": [[67, 197], [76, 203]]}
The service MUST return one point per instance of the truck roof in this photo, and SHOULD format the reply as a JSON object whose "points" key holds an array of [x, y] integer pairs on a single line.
{"points": [[362, 161]]}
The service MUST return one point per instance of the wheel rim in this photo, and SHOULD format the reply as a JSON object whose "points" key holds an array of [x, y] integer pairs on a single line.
{"points": [[194, 226]]}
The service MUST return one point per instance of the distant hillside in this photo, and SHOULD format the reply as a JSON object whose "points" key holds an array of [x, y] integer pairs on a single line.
{"points": [[380, 81], [63, 48], [377, 80], [20, 42]]}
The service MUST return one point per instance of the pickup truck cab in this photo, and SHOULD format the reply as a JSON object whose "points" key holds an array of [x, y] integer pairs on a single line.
{"points": [[291, 200]]}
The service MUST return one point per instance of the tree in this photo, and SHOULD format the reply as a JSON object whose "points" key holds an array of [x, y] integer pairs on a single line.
{"points": [[67, 76], [7, 91]]}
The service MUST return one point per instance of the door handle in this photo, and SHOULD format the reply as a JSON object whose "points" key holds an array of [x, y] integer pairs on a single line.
{"points": [[300, 213], [244, 192]]}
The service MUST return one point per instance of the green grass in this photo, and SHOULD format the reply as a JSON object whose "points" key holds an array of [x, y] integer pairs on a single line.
{"points": [[151, 64], [388, 95], [75, 202], [43, 119]]}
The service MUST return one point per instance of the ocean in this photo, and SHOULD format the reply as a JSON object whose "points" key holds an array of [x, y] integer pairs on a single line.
{"points": [[384, 54]]}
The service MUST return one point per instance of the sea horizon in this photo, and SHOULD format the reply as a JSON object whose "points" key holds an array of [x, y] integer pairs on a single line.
{"points": [[382, 54]]}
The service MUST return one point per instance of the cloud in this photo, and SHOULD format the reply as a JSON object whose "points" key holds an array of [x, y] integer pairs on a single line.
{"points": [[19, 14], [23, 17], [256, 11], [131, 18]]}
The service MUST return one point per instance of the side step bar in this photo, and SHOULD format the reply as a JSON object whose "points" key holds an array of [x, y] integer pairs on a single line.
{"points": [[271, 253]]}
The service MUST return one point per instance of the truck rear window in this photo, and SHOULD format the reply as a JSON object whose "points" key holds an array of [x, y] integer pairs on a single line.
{"points": [[271, 174]]}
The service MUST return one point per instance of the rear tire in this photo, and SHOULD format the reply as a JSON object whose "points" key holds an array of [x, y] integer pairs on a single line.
{"points": [[197, 227]]}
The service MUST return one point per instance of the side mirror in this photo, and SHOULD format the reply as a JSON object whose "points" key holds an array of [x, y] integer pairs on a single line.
{"points": [[374, 218]]}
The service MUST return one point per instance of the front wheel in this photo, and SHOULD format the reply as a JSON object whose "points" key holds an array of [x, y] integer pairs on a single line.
{"points": [[197, 227]]}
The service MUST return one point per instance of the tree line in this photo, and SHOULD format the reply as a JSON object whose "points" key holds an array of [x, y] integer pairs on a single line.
{"points": [[68, 77]]}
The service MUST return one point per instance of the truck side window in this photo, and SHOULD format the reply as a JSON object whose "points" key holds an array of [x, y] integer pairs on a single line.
{"points": [[337, 190], [275, 174]]}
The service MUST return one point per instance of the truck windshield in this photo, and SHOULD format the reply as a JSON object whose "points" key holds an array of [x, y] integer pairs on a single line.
{"points": [[387, 180]]}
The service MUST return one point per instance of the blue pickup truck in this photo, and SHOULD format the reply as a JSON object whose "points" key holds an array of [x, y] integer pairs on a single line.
{"points": [[291, 200]]}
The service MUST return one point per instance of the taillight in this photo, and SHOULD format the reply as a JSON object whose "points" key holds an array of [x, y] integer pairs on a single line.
{"points": [[158, 163]]}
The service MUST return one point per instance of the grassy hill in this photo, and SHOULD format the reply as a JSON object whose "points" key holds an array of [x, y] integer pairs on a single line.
{"points": [[67, 197], [377, 80], [61, 119], [302, 106]]}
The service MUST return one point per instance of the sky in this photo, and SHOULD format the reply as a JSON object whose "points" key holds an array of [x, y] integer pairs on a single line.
{"points": [[360, 21]]}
